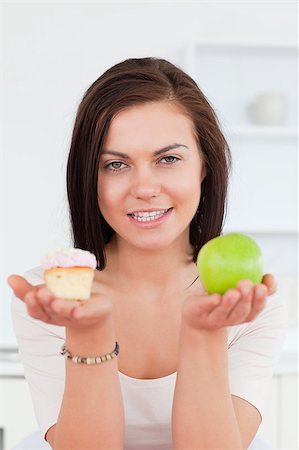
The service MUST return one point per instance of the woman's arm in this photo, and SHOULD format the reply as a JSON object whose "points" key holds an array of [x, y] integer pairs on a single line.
{"points": [[91, 415], [205, 415]]}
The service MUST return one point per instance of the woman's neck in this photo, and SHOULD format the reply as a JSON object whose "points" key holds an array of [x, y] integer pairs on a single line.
{"points": [[161, 272]]}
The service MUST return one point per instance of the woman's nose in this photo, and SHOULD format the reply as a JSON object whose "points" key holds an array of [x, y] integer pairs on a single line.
{"points": [[145, 184]]}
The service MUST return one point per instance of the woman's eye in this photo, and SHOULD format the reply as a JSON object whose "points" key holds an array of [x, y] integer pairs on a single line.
{"points": [[114, 166], [117, 166], [170, 159]]}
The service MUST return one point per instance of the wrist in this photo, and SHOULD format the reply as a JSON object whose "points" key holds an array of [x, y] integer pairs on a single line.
{"points": [[93, 340], [198, 346], [193, 337]]}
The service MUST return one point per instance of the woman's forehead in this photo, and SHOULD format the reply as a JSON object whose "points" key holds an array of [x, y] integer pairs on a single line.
{"points": [[148, 123]]}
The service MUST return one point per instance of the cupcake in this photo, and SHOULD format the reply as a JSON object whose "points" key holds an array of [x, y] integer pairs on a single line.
{"points": [[69, 273]]}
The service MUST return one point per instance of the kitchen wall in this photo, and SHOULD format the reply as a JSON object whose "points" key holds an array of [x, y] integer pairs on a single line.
{"points": [[52, 52]]}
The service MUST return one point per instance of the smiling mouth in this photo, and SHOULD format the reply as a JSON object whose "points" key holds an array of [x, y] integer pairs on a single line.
{"points": [[149, 216]]}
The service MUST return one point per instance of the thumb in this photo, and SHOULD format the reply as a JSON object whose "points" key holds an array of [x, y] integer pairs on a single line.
{"points": [[204, 302], [20, 286], [270, 282]]}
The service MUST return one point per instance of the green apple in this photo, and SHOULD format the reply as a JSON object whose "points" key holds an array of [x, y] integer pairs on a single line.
{"points": [[225, 260]]}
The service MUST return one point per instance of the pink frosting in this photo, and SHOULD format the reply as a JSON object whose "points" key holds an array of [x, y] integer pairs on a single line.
{"points": [[69, 257]]}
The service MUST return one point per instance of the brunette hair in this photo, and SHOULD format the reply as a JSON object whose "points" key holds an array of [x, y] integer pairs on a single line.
{"points": [[132, 82]]}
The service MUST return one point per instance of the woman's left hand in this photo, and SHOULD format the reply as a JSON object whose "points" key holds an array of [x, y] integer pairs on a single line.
{"points": [[235, 306]]}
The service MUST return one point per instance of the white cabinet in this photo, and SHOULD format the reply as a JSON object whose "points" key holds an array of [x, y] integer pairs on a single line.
{"points": [[17, 418], [289, 412], [280, 425], [263, 194], [270, 427]]}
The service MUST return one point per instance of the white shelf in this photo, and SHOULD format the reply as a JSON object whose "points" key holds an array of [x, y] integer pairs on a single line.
{"points": [[232, 76], [264, 178]]}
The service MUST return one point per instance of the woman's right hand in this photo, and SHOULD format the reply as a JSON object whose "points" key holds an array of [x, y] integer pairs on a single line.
{"points": [[43, 305]]}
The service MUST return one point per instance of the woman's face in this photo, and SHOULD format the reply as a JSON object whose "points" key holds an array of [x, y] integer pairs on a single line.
{"points": [[150, 175]]}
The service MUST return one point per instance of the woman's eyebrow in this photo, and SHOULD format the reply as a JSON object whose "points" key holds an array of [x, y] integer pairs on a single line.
{"points": [[155, 153]]}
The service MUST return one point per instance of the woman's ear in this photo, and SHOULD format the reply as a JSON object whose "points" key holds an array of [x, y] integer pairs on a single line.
{"points": [[203, 172]]}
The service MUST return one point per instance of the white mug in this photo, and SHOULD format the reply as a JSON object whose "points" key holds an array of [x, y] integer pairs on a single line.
{"points": [[268, 109]]}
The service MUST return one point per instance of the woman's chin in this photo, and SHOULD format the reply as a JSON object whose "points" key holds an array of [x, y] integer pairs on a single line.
{"points": [[152, 245]]}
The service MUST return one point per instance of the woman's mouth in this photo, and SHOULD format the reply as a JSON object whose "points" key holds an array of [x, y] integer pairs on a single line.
{"points": [[148, 219]]}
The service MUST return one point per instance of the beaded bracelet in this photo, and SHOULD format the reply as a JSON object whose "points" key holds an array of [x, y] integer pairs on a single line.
{"points": [[90, 359]]}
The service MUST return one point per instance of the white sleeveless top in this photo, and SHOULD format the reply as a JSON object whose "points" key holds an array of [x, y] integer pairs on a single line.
{"points": [[253, 350]]}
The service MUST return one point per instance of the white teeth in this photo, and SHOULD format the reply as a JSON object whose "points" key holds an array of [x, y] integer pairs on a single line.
{"points": [[147, 216]]}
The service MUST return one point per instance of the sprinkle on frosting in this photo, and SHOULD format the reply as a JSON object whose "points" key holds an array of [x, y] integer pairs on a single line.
{"points": [[69, 257]]}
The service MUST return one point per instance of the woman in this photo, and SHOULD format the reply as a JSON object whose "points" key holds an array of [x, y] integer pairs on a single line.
{"points": [[147, 181]]}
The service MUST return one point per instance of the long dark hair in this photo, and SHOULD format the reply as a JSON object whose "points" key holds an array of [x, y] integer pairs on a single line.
{"points": [[131, 82]]}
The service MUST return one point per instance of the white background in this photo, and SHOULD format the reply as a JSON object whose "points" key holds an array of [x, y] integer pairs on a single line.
{"points": [[51, 53]]}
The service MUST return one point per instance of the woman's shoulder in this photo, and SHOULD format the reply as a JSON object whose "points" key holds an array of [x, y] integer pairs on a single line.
{"points": [[272, 320]]}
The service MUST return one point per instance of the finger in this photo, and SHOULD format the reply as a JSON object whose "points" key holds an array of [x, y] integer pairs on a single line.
{"points": [[270, 283], [48, 301], [219, 314], [200, 305], [34, 309], [20, 286], [58, 310], [64, 308], [243, 307], [259, 301], [230, 299], [207, 303], [44, 296], [93, 309]]}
